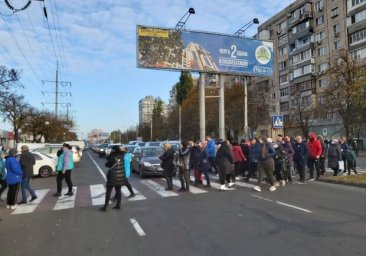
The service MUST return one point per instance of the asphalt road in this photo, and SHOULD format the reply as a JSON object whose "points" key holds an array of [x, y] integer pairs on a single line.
{"points": [[311, 219]]}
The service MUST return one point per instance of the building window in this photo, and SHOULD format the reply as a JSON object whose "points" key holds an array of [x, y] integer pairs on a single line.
{"points": [[303, 70], [320, 35], [282, 39], [284, 92], [356, 2], [305, 55], [337, 45], [321, 51], [282, 26], [359, 54], [282, 65], [336, 29], [284, 106], [319, 20], [319, 6], [334, 12], [360, 16], [283, 79], [323, 83], [282, 51], [323, 67], [358, 36]]}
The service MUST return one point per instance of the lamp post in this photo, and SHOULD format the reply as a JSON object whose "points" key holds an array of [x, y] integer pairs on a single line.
{"points": [[180, 25], [241, 33]]}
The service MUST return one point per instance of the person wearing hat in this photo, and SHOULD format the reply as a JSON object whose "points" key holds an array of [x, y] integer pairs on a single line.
{"points": [[27, 161], [116, 177], [13, 177], [64, 167]]}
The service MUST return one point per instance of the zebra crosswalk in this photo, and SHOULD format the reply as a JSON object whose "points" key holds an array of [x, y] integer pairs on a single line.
{"points": [[94, 195]]}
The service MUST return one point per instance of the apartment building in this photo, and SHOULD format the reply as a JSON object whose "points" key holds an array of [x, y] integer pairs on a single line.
{"points": [[146, 107], [306, 35]]}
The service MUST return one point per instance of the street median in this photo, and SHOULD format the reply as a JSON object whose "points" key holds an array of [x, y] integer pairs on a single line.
{"points": [[349, 180]]}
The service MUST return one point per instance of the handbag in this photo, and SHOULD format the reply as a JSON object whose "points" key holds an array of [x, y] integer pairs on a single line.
{"points": [[340, 165]]}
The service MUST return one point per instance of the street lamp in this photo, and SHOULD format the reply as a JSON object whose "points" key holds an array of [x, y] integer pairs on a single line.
{"points": [[241, 31], [182, 22]]}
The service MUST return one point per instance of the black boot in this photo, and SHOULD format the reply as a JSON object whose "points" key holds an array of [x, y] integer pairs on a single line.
{"points": [[103, 209]]}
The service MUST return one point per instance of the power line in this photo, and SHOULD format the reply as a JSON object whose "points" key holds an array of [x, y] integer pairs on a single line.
{"points": [[20, 49]]}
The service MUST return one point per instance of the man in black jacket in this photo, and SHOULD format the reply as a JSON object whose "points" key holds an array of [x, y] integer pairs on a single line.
{"points": [[27, 160]]}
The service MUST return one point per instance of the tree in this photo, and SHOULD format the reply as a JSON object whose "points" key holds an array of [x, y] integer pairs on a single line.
{"points": [[158, 121], [15, 110], [345, 95]]}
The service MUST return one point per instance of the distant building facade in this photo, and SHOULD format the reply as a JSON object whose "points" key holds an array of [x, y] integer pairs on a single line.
{"points": [[146, 107]]}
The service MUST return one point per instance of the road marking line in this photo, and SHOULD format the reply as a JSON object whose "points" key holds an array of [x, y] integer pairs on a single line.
{"points": [[259, 197], [137, 227], [138, 196], [158, 188], [295, 207], [243, 184], [30, 207], [99, 169], [192, 188], [97, 193], [66, 202]]}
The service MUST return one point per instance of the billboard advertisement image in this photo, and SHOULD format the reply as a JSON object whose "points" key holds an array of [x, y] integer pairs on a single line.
{"points": [[171, 49]]}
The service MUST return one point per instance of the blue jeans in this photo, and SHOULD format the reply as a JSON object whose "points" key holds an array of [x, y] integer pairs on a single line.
{"points": [[26, 186]]}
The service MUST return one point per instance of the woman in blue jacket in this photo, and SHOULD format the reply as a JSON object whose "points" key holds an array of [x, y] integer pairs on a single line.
{"points": [[13, 178]]}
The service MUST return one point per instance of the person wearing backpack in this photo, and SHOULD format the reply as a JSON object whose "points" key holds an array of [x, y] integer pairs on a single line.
{"points": [[116, 177]]}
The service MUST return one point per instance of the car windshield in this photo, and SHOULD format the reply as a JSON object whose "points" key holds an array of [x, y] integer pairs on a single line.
{"points": [[149, 152], [154, 144]]}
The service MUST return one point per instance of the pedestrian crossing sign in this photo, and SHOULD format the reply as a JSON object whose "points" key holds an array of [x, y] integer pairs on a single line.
{"points": [[277, 121]]}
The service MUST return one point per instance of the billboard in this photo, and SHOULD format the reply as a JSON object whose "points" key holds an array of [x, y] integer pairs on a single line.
{"points": [[171, 49]]}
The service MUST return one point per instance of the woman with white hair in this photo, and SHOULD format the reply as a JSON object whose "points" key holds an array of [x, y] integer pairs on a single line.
{"points": [[334, 156]]}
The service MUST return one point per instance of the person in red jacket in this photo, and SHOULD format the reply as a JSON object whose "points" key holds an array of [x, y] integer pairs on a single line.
{"points": [[239, 158], [315, 151]]}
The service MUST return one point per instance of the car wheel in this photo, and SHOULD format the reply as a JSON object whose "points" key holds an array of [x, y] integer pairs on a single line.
{"points": [[141, 172], [45, 171]]}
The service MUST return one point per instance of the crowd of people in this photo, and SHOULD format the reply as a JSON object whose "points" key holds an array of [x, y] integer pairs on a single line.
{"points": [[16, 171], [278, 160]]}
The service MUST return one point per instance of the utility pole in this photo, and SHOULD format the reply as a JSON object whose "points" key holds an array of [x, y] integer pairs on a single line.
{"points": [[57, 93]]}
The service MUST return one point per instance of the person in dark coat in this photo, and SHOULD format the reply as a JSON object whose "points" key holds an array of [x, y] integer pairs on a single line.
{"points": [[225, 162], [246, 151], [323, 155], [265, 163], [254, 152], [289, 151], [182, 164], [167, 164], [116, 176], [300, 157], [195, 161], [13, 178], [3, 183], [334, 156], [27, 161]]}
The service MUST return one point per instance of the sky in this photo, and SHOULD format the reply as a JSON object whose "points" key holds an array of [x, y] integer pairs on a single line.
{"points": [[94, 44]]}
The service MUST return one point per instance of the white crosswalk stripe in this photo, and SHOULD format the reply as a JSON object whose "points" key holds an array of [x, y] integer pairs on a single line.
{"points": [[66, 202], [158, 188], [30, 207], [97, 193], [138, 196]]}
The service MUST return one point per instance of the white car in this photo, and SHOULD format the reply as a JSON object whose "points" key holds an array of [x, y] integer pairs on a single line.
{"points": [[45, 165], [52, 152]]}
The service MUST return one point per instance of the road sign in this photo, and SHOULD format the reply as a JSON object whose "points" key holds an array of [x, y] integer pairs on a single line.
{"points": [[277, 121], [325, 131]]}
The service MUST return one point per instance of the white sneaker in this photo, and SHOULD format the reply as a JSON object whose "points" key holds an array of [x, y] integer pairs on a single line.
{"points": [[12, 207], [272, 188], [223, 187], [257, 188], [237, 178], [7, 206], [282, 183], [230, 184]]}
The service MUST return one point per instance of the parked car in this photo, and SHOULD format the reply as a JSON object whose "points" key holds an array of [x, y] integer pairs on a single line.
{"points": [[153, 144], [145, 161], [45, 165], [52, 152], [174, 143]]}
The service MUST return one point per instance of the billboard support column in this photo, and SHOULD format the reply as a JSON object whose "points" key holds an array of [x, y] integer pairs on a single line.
{"points": [[245, 107], [222, 108], [202, 107]]}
